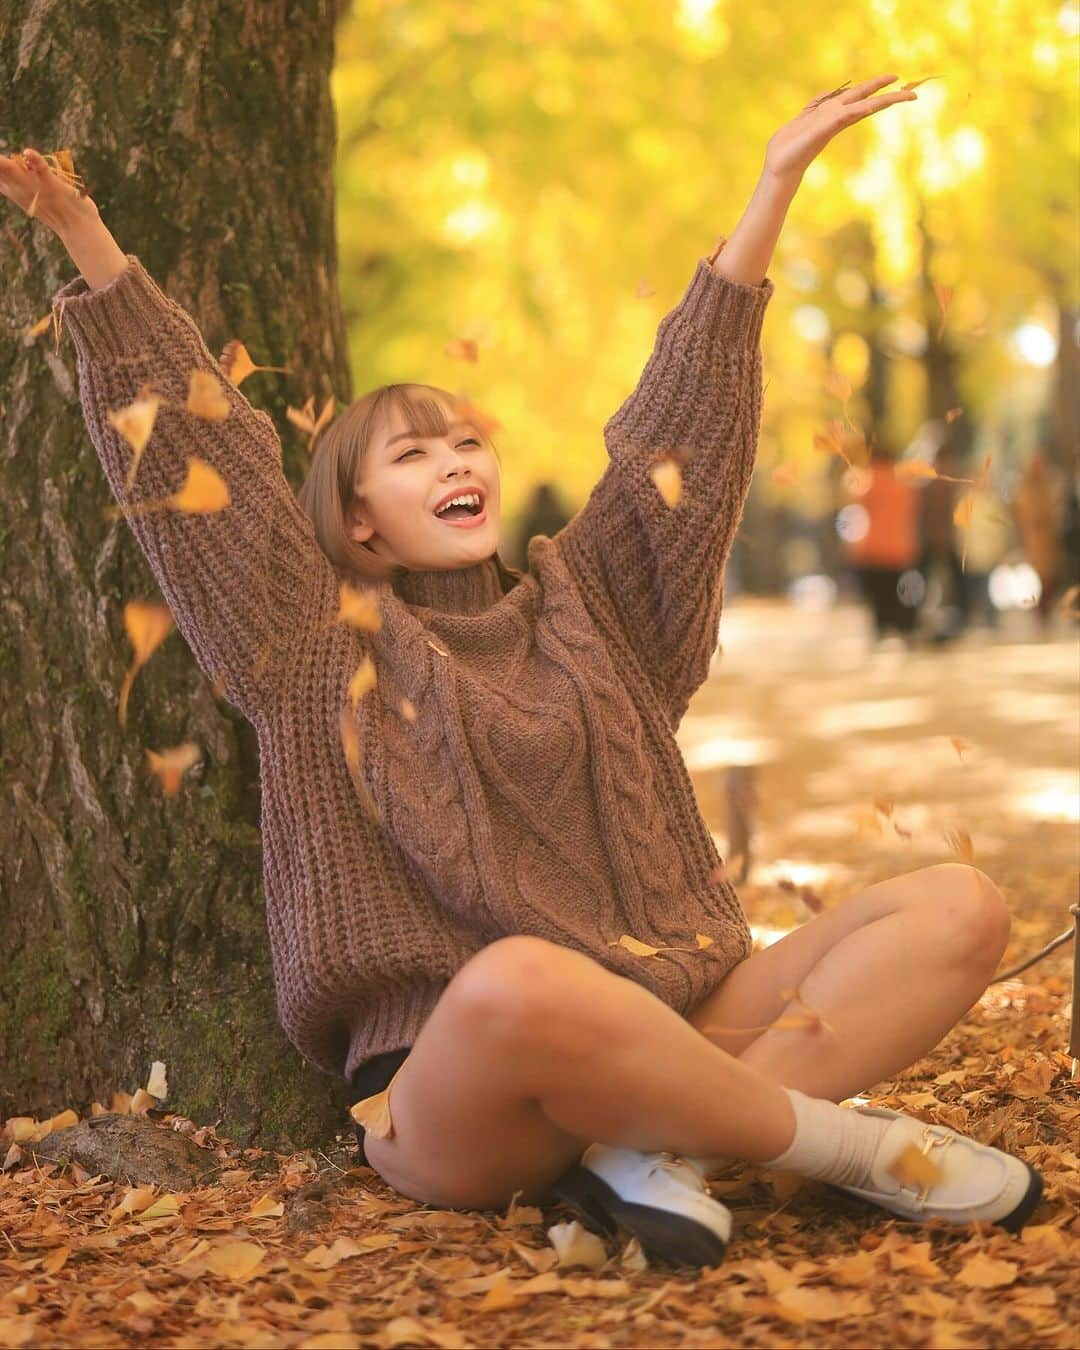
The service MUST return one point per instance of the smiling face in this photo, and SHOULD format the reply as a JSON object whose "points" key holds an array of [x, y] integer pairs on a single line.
{"points": [[406, 475]]}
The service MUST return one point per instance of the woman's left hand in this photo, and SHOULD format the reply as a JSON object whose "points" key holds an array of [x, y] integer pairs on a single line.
{"points": [[791, 149]]}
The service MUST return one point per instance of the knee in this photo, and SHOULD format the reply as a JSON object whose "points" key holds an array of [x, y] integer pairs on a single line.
{"points": [[973, 914], [516, 983]]}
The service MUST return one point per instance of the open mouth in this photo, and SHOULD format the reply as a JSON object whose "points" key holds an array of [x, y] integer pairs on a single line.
{"points": [[466, 513]]}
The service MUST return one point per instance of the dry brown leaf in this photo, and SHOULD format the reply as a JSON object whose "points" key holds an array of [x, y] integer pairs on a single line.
{"points": [[985, 1272]]}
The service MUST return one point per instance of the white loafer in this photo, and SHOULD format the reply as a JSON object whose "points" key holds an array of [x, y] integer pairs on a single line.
{"points": [[660, 1198], [978, 1184]]}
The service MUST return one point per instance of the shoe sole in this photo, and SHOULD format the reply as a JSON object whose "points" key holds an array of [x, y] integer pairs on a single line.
{"points": [[662, 1234]]}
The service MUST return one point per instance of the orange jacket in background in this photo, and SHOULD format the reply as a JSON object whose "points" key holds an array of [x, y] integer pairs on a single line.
{"points": [[892, 539]]}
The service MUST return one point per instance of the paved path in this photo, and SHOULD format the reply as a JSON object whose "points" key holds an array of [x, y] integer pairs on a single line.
{"points": [[833, 727]]}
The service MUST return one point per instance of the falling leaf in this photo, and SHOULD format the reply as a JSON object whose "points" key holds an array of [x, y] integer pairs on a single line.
{"points": [[171, 765], [205, 397], [461, 349], [135, 422], [944, 296], [237, 365], [914, 1168], [305, 418], [787, 475], [204, 490], [838, 385], [959, 745], [703, 941], [464, 410], [984, 1272], [147, 625], [668, 479], [914, 468], [358, 608], [914, 84], [953, 414], [350, 741], [721, 241], [157, 1085], [408, 710], [960, 842], [362, 680], [644, 289], [35, 330]]}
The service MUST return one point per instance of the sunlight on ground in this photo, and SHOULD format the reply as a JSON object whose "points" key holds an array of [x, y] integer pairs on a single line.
{"points": [[876, 715], [1031, 705], [802, 873], [1046, 794], [709, 742]]}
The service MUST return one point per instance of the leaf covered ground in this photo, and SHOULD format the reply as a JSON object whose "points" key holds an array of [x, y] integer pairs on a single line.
{"points": [[859, 777]]}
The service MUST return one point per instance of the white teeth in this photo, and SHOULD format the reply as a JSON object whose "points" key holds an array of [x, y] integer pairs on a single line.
{"points": [[467, 499]]}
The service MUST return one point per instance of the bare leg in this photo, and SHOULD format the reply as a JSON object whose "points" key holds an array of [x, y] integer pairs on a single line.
{"points": [[892, 969], [533, 1052]]}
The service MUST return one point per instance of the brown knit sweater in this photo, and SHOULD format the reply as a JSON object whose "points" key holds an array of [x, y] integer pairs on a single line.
{"points": [[540, 788]]}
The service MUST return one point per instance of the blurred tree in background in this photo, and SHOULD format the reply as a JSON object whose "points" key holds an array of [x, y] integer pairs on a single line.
{"points": [[545, 183]]}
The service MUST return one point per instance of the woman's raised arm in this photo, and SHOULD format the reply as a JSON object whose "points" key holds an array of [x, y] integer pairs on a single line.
{"points": [[247, 584]]}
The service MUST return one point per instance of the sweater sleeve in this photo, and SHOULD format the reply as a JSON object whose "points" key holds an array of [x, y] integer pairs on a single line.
{"points": [[655, 570], [242, 584]]}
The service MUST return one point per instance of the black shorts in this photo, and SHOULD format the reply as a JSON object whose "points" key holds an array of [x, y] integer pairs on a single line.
{"points": [[371, 1078]]}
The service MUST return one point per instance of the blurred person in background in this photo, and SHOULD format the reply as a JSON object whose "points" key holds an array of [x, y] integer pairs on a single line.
{"points": [[889, 547], [939, 546], [544, 514], [988, 538], [1038, 509]]}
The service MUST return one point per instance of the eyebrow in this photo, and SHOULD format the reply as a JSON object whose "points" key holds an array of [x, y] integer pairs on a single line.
{"points": [[415, 435]]}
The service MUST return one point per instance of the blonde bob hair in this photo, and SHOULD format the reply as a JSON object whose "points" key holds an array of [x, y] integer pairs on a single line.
{"points": [[329, 490]]}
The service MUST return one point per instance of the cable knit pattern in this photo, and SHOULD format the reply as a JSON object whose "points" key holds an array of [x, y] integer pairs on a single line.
{"points": [[653, 571], [539, 788]]}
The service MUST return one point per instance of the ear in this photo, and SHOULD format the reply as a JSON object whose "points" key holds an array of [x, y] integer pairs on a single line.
{"points": [[358, 528]]}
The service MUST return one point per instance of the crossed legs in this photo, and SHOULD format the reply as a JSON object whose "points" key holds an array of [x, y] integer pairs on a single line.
{"points": [[534, 1050]]}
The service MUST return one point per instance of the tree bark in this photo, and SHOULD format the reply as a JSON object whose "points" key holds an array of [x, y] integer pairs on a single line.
{"points": [[133, 924]]}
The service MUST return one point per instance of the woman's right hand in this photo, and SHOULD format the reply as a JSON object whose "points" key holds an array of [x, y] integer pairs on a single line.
{"points": [[59, 203]]}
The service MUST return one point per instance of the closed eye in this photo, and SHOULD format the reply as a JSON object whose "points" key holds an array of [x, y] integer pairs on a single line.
{"points": [[415, 449]]}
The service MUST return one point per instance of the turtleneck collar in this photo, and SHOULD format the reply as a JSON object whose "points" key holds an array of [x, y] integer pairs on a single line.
{"points": [[462, 590]]}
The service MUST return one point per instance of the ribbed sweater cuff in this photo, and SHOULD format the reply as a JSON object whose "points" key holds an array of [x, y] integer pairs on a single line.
{"points": [[731, 312], [118, 319]]}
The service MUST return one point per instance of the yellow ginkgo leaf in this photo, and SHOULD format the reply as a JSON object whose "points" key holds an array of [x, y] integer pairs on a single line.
{"points": [[266, 1207], [205, 397], [667, 476], [408, 710], [362, 680], [359, 608], [787, 475], [135, 423], [36, 329], [235, 1260], [171, 765], [237, 365], [204, 490], [147, 625], [703, 941], [633, 945]]}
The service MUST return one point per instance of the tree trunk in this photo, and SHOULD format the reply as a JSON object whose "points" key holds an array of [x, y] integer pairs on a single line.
{"points": [[133, 924]]}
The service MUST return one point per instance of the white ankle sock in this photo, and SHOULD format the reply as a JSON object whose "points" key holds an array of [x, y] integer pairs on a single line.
{"points": [[832, 1143]]}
